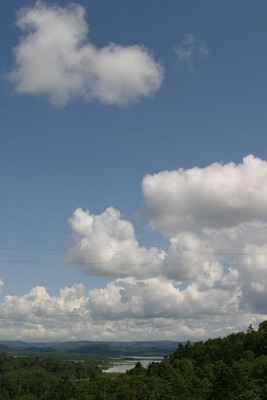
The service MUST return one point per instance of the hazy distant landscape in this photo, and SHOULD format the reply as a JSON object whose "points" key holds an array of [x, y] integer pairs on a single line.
{"points": [[98, 348]]}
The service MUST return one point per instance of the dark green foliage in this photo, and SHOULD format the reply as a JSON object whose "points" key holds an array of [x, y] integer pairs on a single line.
{"points": [[230, 368], [263, 326]]}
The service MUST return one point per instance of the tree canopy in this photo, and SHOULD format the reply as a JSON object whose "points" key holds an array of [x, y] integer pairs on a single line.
{"points": [[229, 368]]}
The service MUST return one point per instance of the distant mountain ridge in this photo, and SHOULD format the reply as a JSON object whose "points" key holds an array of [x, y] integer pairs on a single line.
{"points": [[103, 348]]}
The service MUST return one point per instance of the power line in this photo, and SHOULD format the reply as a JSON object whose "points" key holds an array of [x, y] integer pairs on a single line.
{"points": [[43, 249]]}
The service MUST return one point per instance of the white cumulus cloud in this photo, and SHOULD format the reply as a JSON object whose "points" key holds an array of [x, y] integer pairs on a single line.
{"points": [[158, 298], [38, 315], [213, 270], [210, 280], [217, 196], [125, 309], [55, 58], [105, 244], [253, 276]]}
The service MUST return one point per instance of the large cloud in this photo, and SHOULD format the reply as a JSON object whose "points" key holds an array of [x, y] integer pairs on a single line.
{"points": [[55, 58], [106, 244], [157, 298], [214, 266], [210, 280], [125, 309], [213, 197]]}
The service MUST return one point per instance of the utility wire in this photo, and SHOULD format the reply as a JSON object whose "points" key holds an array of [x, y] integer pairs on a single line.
{"points": [[133, 252]]}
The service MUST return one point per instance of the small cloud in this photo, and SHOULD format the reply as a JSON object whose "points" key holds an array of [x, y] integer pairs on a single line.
{"points": [[191, 49], [56, 58]]}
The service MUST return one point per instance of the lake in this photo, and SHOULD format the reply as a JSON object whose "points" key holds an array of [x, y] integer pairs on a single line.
{"points": [[122, 365]]}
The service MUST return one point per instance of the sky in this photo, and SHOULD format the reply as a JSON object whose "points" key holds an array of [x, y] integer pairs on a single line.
{"points": [[133, 169]]}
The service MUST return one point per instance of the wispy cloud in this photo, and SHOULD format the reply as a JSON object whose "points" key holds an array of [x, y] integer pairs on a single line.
{"points": [[191, 50], [55, 58]]}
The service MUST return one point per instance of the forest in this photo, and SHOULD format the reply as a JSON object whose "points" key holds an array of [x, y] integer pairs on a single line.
{"points": [[233, 367]]}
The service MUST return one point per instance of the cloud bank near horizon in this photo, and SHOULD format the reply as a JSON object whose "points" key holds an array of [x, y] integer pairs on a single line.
{"points": [[210, 280], [55, 58]]}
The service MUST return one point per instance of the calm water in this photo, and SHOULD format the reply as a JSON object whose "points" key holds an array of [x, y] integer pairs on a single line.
{"points": [[123, 365]]}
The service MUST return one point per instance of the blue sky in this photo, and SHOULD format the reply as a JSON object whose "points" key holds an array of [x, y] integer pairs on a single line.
{"points": [[94, 98]]}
